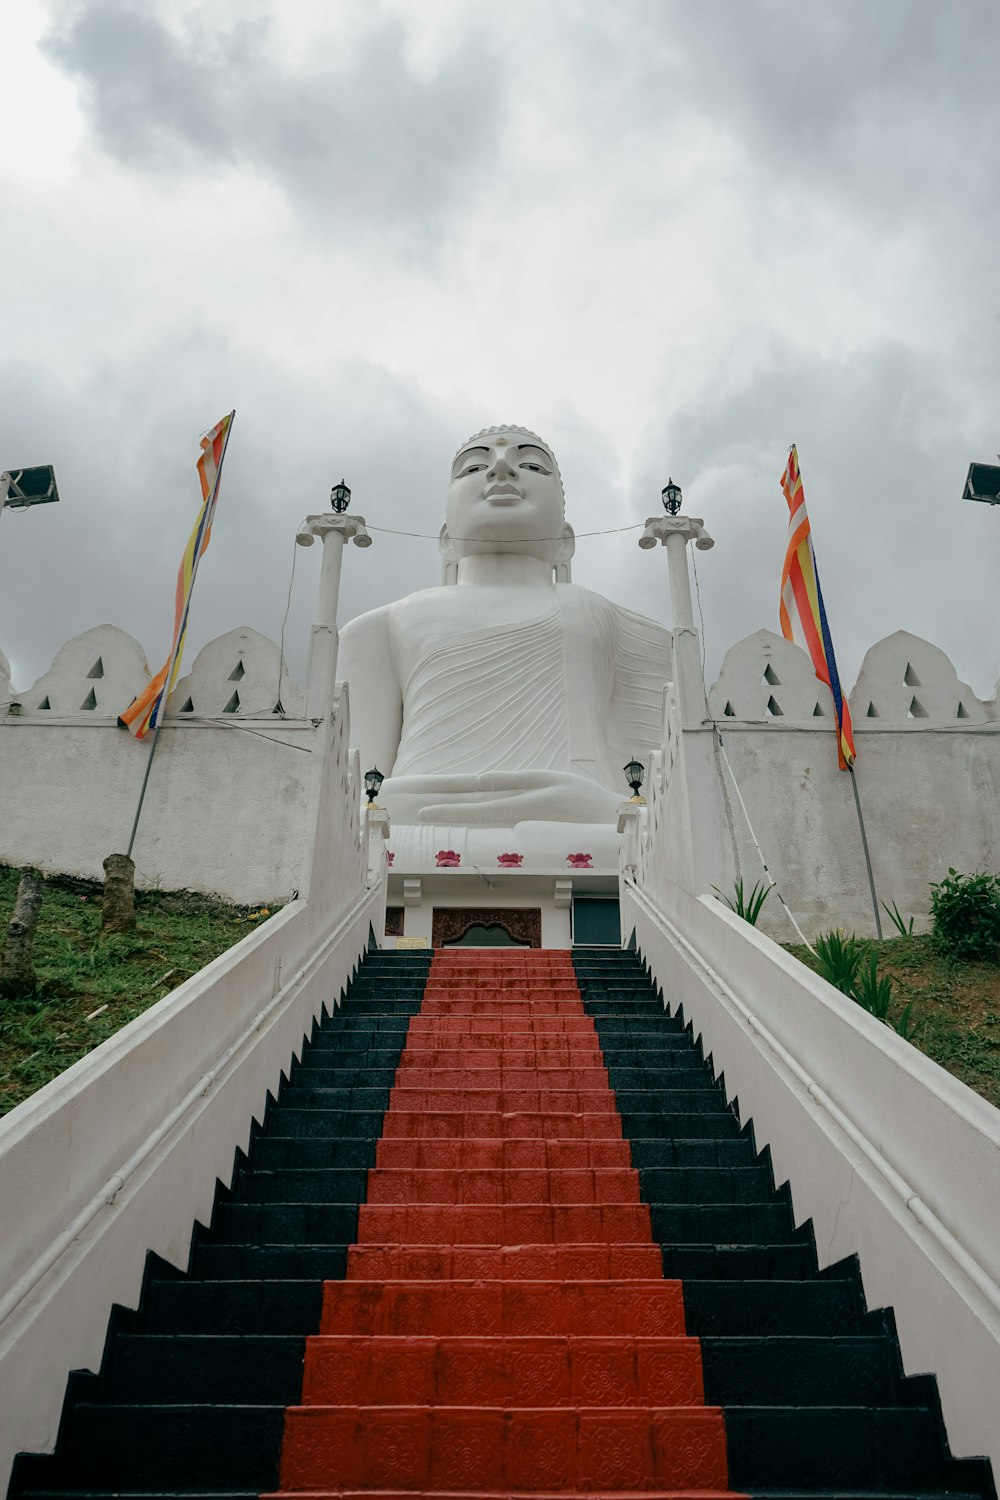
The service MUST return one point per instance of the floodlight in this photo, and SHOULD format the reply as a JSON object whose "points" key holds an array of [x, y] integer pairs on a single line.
{"points": [[20, 488], [983, 483]]}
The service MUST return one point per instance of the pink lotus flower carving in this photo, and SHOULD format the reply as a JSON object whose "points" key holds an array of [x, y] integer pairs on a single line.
{"points": [[510, 861], [389, 856], [446, 859], [580, 861]]}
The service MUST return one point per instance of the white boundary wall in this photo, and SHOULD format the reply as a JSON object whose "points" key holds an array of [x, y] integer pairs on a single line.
{"points": [[890, 1156], [121, 1153]]}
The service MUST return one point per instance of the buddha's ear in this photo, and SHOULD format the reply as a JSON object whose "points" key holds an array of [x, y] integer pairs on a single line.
{"points": [[449, 557], [566, 546]]}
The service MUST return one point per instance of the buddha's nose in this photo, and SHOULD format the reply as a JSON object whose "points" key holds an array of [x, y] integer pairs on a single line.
{"points": [[501, 468]]}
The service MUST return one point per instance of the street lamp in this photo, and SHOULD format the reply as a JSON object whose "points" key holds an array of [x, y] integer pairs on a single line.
{"points": [[20, 488], [671, 497], [340, 497], [373, 782], [634, 773]]}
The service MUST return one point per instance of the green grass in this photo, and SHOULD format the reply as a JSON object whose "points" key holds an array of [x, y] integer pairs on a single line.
{"points": [[90, 985], [956, 1004]]}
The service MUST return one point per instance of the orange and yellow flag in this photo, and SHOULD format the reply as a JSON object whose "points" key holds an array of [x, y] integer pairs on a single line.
{"points": [[146, 711]]}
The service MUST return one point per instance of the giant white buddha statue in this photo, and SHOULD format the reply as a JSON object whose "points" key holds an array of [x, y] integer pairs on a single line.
{"points": [[503, 705]]}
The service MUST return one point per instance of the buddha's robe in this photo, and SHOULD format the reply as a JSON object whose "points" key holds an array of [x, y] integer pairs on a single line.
{"points": [[518, 704]]}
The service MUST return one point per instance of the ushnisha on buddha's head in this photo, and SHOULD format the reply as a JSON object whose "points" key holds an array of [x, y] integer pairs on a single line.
{"points": [[505, 495]]}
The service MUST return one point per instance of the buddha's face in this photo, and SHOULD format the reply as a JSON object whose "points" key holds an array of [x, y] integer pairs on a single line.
{"points": [[505, 496]]}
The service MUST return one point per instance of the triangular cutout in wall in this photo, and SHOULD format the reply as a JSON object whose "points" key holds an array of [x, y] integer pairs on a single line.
{"points": [[818, 712], [916, 710], [962, 714], [278, 707], [233, 706], [187, 707], [729, 712], [910, 678], [45, 703], [771, 677], [238, 672], [90, 701], [774, 709], [97, 670], [873, 712]]}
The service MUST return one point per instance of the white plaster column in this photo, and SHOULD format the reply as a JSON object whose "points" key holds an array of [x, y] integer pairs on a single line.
{"points": [[674, 533], [334, 531], [377, 829]]}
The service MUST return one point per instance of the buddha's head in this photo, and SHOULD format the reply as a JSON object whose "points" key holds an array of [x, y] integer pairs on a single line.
{"points": [[505, 495]]}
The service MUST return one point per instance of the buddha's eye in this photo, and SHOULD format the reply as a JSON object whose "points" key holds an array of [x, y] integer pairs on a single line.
{"points": [[535, 468], [473, 468]]}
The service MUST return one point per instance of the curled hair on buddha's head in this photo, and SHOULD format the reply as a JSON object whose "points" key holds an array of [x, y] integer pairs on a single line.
{"points": [[521, 432]]}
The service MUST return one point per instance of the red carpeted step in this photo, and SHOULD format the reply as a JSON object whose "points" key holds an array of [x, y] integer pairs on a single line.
{"points": [[505, 1308], [512, 1263], [506, 1052], [351, 1369], [487, 1155], [503, 1101], [524, 1026], [503, 1185], [506, 1224], [416, 1448], [539, 1125], [504, 1327], [503, 1075]]}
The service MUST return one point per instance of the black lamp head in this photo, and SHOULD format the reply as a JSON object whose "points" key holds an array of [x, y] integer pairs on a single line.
{"points": [[340, 497], [671, 497], [373, 782], [634, 773]]}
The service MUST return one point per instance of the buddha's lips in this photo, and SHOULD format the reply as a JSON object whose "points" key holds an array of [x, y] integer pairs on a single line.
{"points": [[503, 496]]}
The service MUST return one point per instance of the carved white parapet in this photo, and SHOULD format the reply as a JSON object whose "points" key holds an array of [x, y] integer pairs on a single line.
{"points": [[335, 531], [674, 533]]}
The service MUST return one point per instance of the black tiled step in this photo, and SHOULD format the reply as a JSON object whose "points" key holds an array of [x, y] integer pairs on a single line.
{"points": [[272, 1153], [121, 1445], [286, 1223], [302, 1184], [219, 1262], [804, 1371], [728, 1151], [233, 1307], [802, 1447], [241, 1369], [739, 1262]]}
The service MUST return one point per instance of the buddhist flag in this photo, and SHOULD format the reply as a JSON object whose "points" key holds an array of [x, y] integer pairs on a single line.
{"points": [[146, 711], [803, 614]]}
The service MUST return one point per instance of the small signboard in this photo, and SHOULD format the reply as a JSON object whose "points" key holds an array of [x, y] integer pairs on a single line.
{"points": [[412, 942]]}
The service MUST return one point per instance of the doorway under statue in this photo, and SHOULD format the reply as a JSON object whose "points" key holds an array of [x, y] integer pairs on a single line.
{"points": [[486, 927]]}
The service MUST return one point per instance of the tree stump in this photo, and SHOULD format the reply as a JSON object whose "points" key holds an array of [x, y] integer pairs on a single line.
{"points": [[118, 905], [17, 973]]}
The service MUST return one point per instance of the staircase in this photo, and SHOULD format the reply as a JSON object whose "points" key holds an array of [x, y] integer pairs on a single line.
{"points": [[469, 1255]]}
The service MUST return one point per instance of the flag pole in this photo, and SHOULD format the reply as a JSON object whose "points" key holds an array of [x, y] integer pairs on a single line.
{"points": [[177, 645], [864, 844]]}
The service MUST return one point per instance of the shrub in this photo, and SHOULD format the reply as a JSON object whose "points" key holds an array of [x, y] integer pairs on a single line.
{"points": [[746, 906], [965, 916], [839, 958]]}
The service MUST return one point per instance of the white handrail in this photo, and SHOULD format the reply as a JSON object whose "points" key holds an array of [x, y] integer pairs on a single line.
{"points": [[109, 1192], [985, 1284]]}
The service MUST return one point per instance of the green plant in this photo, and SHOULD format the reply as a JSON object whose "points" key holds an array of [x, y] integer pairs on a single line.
{"points": [[904, 928], [747, 906], [965, 916], [839, 958], [906, 1024], [872, 991]]}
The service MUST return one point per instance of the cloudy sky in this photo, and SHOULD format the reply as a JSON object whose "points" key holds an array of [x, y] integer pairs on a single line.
{"points": [[672, 237]]}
